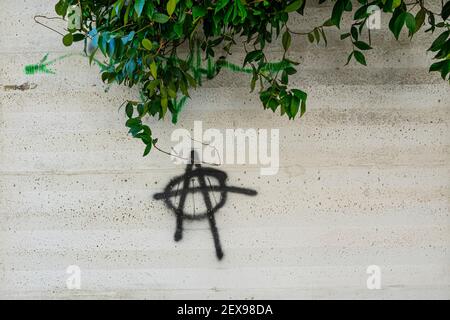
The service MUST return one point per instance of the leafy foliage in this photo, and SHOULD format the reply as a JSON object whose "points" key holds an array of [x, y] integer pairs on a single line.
{"points": [[145, 42]]}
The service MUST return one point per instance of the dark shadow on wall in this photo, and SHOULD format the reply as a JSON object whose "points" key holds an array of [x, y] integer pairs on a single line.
{"points": [[179, 188]]}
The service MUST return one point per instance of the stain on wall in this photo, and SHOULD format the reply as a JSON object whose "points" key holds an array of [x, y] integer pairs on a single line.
{"points": [[22, 87]]}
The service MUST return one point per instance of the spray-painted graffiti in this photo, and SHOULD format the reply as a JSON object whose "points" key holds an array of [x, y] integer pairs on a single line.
{"points": [[42, 66], [179, 188]]}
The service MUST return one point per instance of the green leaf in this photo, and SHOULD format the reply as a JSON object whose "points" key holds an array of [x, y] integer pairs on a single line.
{"points": [[398, 23], [152, 85], [273, 104], [129, 110], [171, 6], [396, 3], [328, 23], [147, 44], [221, 4], [133, 122], [442, 66], [294, 6], [439, 42], [68, 39], [349, 6], [299, 94], [253, 56], [127, 14], [360, 57], [178, 29], [361, 13], [241, 9], [190, 79], [436, 66], [118, 7], [420, 19], [295, 105], [284, 78], [362, 45], [147, 149], [303, 108], [445, 69], [286, 40], [410, 22], [338, 10], [61, 8], [160, 18], [147, 130], [354, 32], [446, 11], [198, 11], [139, 6], [164, 105], [154, 69], [345, 36], [78, 37], [349, 58]]}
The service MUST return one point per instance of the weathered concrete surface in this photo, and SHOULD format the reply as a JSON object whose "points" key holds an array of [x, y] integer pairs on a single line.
{"points": [[364, 180]]}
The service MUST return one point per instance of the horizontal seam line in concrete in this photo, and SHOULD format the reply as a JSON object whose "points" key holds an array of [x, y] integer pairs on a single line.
{"points": [[256, 167]]}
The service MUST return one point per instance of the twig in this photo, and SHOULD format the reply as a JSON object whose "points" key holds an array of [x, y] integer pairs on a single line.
{"points": [[186, 159], [48, 18]]}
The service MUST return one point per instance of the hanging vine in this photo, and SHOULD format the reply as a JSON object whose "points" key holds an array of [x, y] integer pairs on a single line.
{"points": [[162, 46]]}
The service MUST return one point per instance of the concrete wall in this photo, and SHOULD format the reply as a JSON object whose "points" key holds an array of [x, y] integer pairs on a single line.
{"points": [[363, 180]]}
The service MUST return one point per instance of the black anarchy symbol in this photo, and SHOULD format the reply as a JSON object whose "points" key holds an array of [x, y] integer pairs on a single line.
{"points": [[172, 190]]}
